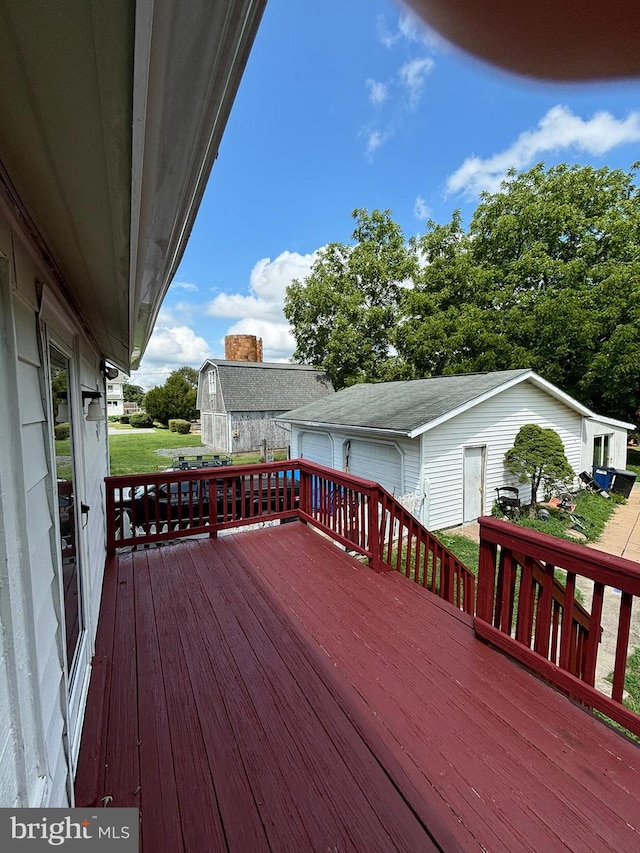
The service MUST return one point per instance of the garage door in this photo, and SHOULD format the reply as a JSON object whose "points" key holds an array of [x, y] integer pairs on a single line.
{"points": [[316, 447], [379, 462]]}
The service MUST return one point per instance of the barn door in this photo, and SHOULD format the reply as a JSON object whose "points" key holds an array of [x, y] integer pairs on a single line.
{"points": [[473, 482]]}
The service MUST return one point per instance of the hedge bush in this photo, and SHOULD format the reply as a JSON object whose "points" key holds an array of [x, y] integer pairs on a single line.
{"points": [[124, 419], [141, 420], [62, 431], [114, 419], [179, 425]]}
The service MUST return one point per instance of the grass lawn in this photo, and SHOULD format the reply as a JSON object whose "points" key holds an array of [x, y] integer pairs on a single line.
{"points": [[135, 454]]}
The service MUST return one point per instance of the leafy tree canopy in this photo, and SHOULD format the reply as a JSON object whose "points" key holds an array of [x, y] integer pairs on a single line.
{"points": [[132, 393], [176, 398], [546, 276], [344, 313], [538, 458]]}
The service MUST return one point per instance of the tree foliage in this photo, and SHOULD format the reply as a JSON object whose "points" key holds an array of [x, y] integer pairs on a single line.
{"points": [[132, 393], [344, 313], [538, 458], [547, 276], [176, 398]]}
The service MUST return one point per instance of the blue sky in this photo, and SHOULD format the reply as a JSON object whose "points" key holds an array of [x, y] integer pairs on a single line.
{"points": [[356, 104]]}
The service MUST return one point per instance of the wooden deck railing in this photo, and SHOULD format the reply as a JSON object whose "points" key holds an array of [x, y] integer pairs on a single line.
{"points": [[357, 513], [522, 609]]}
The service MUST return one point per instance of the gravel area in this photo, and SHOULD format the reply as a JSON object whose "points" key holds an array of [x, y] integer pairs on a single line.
{"points": [[199, 450]]}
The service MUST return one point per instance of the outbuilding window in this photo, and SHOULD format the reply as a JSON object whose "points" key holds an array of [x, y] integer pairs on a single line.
{"points": [[212, 382], [601, 454]]}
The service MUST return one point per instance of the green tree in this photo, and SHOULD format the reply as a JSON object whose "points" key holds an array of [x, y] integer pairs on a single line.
{"points": [[344, 313], [538, 458], [176, 398], [132, 393], [547, 277]]}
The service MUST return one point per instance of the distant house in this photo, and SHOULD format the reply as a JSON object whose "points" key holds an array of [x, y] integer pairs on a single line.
{"points": [[239, 400], [439, 444], [115, 394]]}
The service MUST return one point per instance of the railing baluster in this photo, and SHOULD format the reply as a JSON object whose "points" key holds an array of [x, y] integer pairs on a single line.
{"points": [[622, 641]]}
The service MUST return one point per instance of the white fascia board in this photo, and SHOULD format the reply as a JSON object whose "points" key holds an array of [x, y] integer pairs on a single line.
{"points": [[470, 404], [612, 422], [530, 375], [349, 428]]}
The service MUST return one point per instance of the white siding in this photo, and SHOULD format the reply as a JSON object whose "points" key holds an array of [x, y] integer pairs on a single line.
{"points": [[410, 490], [617, 444], [34, 711], [495, 424]]}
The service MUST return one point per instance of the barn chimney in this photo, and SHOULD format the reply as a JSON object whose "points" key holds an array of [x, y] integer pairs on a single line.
{"points": [[243, 348]]}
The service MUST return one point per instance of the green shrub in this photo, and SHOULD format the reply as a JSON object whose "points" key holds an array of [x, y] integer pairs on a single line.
{"points": [[124, 419], [141, 420], [114, 419], [180, 425], [62, 431], [158, 425]]}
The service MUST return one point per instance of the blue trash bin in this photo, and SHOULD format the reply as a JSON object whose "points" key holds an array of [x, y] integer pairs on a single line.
{"points": [[603, 476]]}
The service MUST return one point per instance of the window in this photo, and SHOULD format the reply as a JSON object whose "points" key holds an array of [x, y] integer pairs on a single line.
{"points": [[601, 450], [212, 382], [110, 389]]}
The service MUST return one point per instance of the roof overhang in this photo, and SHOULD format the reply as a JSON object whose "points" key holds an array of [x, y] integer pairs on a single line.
{"points": [[110, 120], [527, 376], [342, 427]]}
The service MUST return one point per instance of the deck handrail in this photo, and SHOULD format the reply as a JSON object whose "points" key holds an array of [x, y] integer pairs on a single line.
{"points": [[520, 610], [357, 513]]}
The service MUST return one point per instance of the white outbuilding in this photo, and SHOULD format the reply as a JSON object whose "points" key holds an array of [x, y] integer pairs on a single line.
{"points": [[438, 444]]}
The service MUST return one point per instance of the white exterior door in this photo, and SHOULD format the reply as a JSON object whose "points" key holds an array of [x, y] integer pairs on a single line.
{"points": [[376, 461], [473, 482], [316, 447]]}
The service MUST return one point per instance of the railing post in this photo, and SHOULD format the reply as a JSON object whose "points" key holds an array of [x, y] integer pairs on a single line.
{"points": [[305, 491], [486, 579], [111, 521], [372, 542]]}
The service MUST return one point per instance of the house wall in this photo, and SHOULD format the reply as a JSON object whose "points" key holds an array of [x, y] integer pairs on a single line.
{"points": [[617, 444], [411, 492], [115, 395], [39, 719], [494, 424], [250, 429], [215, 430]]}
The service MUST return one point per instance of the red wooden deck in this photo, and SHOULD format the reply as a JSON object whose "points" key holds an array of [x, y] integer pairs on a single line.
{"points": [[264, 691]]}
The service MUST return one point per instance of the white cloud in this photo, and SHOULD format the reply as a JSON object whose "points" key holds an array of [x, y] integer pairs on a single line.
{"points": [[378, 92], [184, 285], [375, 139], [409, 28], [412, 75], [278, 342], [558, 130], [421, 209], [170, 347], [260, 312], [267, 285]]}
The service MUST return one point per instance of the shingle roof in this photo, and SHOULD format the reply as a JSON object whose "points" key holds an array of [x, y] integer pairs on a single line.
{"points": [[269, 387], [401, 406]]}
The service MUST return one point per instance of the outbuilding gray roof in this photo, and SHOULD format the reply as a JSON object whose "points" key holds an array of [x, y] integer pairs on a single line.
{"points": [[401, 406], [269, 387]]}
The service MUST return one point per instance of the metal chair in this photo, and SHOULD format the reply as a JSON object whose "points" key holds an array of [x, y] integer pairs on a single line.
{"points": [[508, 501]]}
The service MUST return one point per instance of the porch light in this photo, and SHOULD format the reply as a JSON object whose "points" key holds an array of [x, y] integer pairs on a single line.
{"points": [[94, 410], [62, 416]]}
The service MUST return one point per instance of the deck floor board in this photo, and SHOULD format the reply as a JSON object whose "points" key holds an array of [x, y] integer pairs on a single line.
{"points": [[265, 691]]}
